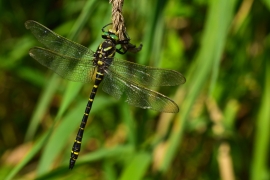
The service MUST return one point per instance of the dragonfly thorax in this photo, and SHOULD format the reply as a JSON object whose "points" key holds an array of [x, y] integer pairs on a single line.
{"points": [[105, 53]]}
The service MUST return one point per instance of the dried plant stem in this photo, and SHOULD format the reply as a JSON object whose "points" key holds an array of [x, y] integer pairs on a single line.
{"points": [[118, 18]]}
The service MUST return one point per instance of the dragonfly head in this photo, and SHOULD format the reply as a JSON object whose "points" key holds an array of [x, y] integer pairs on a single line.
{"points": [[110, 34], [125, 44]]}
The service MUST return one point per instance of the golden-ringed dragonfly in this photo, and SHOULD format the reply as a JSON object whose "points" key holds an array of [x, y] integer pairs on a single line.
{"points": [[120, 78]]}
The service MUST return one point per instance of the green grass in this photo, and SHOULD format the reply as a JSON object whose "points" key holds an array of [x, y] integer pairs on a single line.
{"points": [[221, 131]]}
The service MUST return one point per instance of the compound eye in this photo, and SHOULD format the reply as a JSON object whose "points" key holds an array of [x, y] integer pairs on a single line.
{"points": [[105, 34], [114, 37]]}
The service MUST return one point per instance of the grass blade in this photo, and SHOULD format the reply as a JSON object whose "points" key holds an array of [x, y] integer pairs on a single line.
{"points": [[262, 133], [215, 42], [137, 167]]}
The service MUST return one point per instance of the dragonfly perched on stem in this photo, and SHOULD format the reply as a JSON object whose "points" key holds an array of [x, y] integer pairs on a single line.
{"points": [[121, 78]]}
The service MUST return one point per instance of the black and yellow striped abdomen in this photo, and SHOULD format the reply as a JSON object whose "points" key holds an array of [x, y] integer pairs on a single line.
{"points": [[103, 58], [77, 143]]}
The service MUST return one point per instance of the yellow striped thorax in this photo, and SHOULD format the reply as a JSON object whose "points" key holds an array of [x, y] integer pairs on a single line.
{"points": [[106, 50], [105, 53]]}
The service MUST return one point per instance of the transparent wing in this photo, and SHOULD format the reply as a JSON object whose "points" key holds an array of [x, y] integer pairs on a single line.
{"points": [[67, 67], [137, 95], [58, 43], [146, 75]]}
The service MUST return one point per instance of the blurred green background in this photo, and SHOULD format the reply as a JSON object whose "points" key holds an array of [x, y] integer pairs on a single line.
{"points": [[222, 131]]}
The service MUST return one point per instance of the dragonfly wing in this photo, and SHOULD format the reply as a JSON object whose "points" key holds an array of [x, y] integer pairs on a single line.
{"points": [[58, 43], [146, 75], [67, 67], [137, 95]]}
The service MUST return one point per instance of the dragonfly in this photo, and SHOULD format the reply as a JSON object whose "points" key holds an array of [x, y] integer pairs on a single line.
{"points": [[120, 78]]}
